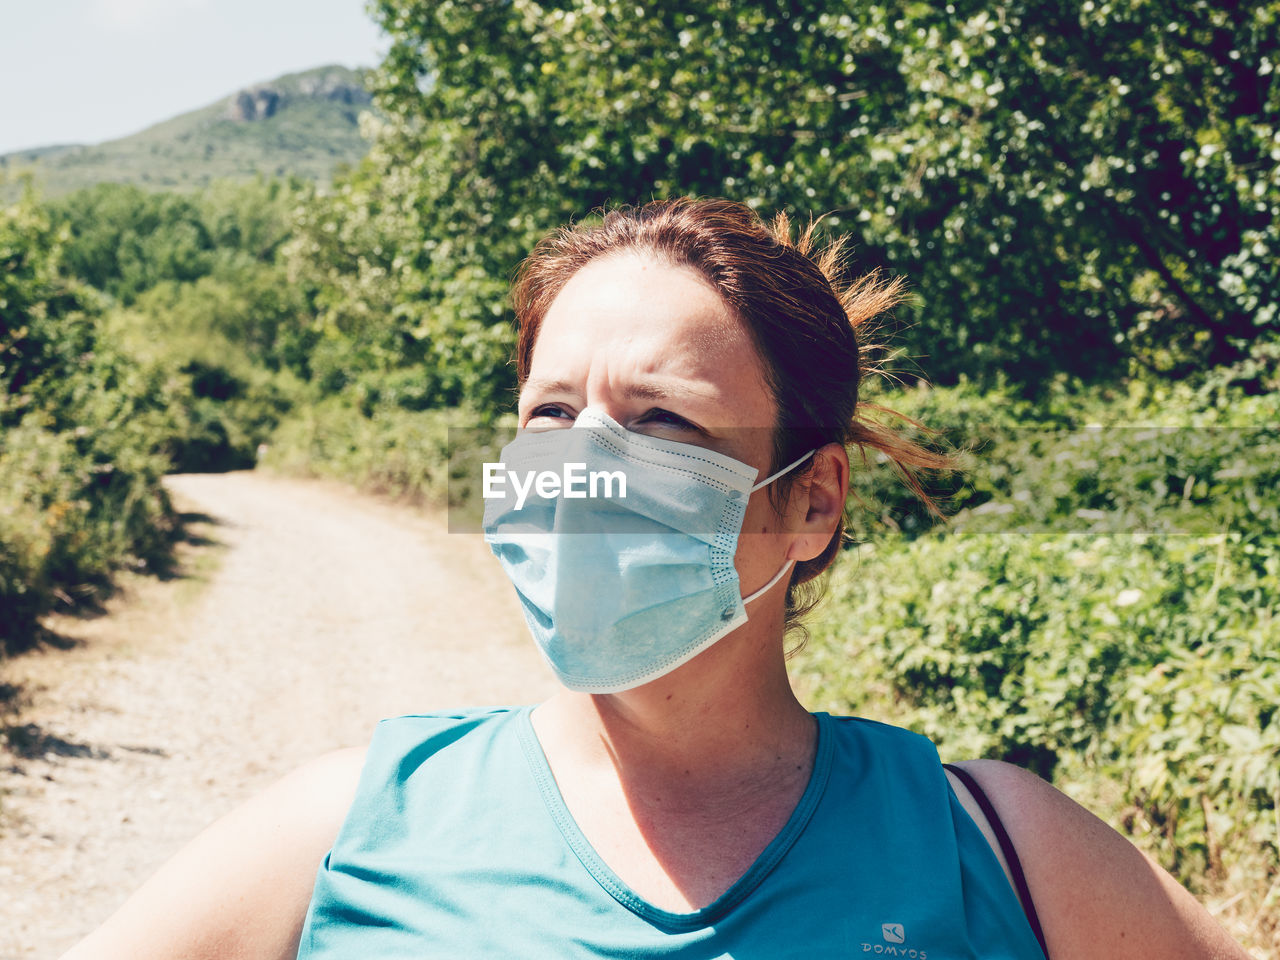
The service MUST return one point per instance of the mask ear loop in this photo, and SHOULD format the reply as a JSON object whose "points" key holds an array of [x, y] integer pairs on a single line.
{"points": [[787, 469], [788, 565], [765, 589]]}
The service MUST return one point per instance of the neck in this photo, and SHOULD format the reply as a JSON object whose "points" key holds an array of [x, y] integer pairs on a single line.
{"points": [[681, 782], [720, 723]]}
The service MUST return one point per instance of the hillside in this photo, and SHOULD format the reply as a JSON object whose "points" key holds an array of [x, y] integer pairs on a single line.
{"points": [[301, 123]]}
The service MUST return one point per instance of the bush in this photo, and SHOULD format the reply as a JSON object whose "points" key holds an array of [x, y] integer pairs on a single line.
{"points": [[80, 465], [399, 453], [1149, 457], [1092, 646], [1148, 659], [75, 506]]}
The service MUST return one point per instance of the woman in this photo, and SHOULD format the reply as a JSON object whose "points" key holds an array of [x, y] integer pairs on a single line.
{"points": [[674, 799]]}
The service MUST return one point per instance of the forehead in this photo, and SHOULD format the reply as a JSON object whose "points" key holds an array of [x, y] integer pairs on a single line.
{"points": [[631, 320]]}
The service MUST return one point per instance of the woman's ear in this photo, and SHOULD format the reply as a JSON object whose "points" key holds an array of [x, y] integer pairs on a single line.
{"points": [[820, 502]]}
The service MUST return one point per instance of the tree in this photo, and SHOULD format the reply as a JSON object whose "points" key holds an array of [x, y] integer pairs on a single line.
{"points": [[1067, 188], [45, 333]]}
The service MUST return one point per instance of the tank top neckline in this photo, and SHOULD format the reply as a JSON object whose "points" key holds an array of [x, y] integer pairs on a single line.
{"points": [[768, 859]]}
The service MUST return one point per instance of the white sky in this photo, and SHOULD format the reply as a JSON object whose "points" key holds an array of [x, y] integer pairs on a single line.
{"points": [[84, 71]]}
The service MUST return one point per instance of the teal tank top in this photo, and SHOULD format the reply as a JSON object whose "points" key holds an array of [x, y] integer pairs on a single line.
{"points": [[458, 845]]}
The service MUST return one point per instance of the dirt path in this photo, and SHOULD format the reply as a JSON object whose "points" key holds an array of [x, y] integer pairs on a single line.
{"points": [[326, 612]]}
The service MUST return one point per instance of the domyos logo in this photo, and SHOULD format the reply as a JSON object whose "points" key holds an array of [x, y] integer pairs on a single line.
{"points": [[893, 934]]}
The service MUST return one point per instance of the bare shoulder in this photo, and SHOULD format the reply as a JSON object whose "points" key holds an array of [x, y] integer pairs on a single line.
{"points": [[1097, 895], [241, 888]]}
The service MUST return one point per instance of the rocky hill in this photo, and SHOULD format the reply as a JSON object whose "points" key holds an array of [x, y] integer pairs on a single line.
{"points": [[304, 124]]}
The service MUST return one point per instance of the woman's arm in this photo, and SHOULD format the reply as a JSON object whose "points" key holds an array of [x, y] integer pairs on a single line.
{"points": [[240, 889], [1097, 895]]}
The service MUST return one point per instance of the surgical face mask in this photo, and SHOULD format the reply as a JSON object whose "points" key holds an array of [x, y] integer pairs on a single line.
{"points": [[620, 547]]}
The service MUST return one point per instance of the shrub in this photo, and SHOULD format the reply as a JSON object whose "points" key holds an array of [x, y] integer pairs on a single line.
{"points": [[80, 470], [1074, 635], [399, 453]]}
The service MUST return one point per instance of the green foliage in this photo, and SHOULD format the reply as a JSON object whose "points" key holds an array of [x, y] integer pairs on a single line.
{"points": [[1149, 659], [1160, 457], [1200, 736], [218, 419], [43, 331], [124, 241], [404, 313], [226, 340], [1101, 648], [186, 356], [395, 452], [1069, 189], [254, 217], [952, 420], [80, 476]]}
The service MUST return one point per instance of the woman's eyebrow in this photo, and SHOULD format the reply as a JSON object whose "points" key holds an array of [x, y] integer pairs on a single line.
{"points": [[656, 392], [632, 391], [543, 385]]}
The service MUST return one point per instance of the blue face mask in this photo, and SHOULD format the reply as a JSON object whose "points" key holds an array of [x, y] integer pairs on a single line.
{"points": [[619, 588]]}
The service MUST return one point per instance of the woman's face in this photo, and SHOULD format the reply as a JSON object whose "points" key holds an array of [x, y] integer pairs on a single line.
{"points": [[655, 348]]}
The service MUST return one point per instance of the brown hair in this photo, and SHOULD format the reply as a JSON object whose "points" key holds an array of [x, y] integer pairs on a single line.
{"points": [[809, 328]]}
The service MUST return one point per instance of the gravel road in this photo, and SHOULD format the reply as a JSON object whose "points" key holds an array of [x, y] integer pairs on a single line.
{"points": [[326, 612]]}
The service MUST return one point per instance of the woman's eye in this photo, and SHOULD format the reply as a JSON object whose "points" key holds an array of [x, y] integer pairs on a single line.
{"points": [[667, 419], [549, 411]]}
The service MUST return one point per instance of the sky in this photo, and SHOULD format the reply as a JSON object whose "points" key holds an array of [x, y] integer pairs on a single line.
{"points": [[85, 71]]}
